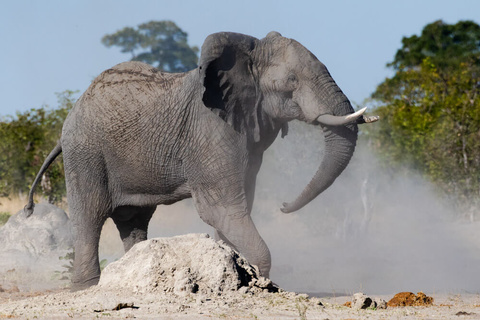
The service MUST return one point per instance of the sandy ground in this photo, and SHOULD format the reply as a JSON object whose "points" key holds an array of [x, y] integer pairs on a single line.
{"points": [[18, 301], [116, 298], [95, 303]]}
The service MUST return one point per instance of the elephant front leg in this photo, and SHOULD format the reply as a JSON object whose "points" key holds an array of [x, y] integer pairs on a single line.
{"points": [[242, 235], [235, 226], [219, 236]]}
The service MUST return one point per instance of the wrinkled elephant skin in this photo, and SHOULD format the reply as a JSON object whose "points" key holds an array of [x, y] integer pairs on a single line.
{"points": [[138, 138]]}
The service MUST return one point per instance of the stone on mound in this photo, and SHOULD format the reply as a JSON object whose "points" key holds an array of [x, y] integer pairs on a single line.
{"points": [[192, 263]]}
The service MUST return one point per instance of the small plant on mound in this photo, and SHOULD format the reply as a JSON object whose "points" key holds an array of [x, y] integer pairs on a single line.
{"points": [[301, 303], [66, 274], [4, 216], [103, 264], [69, 257]]}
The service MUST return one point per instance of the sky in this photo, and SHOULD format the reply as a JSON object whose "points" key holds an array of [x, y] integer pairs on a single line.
{"points": [[54, 45]]}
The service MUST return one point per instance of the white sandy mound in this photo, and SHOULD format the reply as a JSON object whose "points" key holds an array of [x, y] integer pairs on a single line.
{"points": [[192, 263], [32, 248], [45, 232]]}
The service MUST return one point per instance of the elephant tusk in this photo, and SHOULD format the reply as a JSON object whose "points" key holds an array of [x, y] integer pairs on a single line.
{"points": [[329, 120], [370, 119]]}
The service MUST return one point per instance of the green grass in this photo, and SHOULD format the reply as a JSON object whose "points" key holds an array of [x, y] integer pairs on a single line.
{"points": [[4, 217]]}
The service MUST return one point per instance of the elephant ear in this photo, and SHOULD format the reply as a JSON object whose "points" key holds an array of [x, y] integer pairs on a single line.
{"points": [[227, 72]]}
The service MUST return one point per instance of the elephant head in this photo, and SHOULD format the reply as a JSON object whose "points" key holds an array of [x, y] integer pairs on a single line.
{"points": [[257, 86]]}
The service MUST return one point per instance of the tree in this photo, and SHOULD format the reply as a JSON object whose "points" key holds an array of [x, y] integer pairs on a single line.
{"points": [[159, 43], [446, 45], [430, 108], [25, 142]]}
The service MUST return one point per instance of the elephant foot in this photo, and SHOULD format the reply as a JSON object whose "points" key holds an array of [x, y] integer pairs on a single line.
{"points": [[78, 286]]}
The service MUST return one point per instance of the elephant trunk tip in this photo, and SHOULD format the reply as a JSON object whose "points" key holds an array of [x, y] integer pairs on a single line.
{"points": [[287, 208]]}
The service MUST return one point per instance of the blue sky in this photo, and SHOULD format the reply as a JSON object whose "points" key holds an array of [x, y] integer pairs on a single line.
{"points": [[53, 45]]}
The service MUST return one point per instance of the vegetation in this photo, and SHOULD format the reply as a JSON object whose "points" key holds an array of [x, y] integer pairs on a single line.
{"points": [[301, 304], [430, 109], [26, 141], [68, 272], [27, 138], [159, 43], [4, 216], [69, 258]]}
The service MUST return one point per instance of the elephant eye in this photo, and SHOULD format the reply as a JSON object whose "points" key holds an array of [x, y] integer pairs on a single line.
{"points": [[292, 78]]}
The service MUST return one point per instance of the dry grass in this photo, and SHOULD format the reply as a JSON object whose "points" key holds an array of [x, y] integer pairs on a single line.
{"points": [[12, 205], [16, 203]]}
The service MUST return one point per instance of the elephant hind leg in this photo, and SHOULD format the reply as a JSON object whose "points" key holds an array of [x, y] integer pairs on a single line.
{"points": [[88, 226], [132, 223]]}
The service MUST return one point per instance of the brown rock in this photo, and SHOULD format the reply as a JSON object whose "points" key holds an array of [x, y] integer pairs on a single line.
{"points": [[405, 299], [423, 299]]}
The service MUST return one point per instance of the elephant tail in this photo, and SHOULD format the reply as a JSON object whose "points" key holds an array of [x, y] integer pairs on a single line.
{"points": [[48, 161]]}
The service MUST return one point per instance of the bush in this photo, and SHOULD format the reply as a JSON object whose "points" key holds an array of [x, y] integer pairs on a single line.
{"points": [[27, 139], [4, 216]]}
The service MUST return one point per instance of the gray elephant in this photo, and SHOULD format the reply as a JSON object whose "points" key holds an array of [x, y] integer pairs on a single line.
{"points": [[138, 138]]}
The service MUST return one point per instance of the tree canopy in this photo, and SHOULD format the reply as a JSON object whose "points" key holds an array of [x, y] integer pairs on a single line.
{"points": [[28, 137], [430, 108], [159, 43], [447, 45]]}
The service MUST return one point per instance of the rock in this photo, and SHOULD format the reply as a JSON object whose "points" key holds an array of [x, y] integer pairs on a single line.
{"points": [[423, 299], [361, 301], [380, 303], [404, 299], [182, 265]]}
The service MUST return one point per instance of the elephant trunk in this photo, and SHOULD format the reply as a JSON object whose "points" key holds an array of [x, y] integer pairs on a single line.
{"points": [[340, 144]]}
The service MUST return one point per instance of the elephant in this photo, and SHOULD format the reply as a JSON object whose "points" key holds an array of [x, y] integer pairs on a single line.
{"points": [[138, 138]]}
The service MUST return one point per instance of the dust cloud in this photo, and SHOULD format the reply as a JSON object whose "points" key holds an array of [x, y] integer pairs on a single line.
{"points": [[373, 230]]}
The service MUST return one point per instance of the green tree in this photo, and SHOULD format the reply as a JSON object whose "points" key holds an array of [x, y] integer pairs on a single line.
{"points": [[447, 45], [26, 140], [159, 43], [430, 108]]}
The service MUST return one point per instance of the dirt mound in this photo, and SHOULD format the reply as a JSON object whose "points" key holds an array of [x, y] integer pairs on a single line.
{"points": [[183, 277], [192, 263], [45, 231], [405, 299], [32, 247]]}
